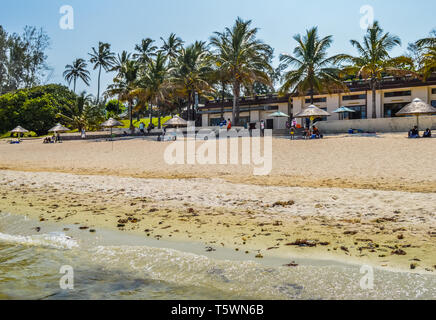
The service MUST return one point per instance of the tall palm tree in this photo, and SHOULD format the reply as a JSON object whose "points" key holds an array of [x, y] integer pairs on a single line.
{"points": [[427, 48], [191, 72], [152, 85], [145, 51], [124, 86], [75, 71], [120, 63], [313, 71], [374, 61], [243, 57], [102, 58], [172, 46]]}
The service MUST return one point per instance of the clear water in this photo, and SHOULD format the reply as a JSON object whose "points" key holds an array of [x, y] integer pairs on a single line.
{"points": [[111, 265]]}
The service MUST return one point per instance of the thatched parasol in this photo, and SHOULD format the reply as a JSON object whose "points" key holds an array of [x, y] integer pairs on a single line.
{"points": [[111, 123], [58, 128], [176, 122], [417, 108], [312, 112], [19, 130]]}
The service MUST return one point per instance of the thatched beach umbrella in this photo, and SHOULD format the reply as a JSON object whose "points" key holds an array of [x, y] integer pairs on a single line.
{"points": [[59, 129], [417, 108], [343, 110], [312, 112], [111, 123], [19, 130], [176, 121]]}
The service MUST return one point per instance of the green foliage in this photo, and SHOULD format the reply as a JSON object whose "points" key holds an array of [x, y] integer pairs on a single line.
{"points": [[114, 107], [34, 109]]}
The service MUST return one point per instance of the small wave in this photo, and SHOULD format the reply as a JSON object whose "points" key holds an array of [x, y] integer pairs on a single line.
{"points": [[51, 240]]}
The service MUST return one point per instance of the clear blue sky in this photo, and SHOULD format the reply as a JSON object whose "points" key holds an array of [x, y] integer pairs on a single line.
{"points": [[123, 23]]}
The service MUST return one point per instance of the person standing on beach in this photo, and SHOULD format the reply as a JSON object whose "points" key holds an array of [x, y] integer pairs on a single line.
{"points": [[229, 125], [262, 128], [142, 128]]}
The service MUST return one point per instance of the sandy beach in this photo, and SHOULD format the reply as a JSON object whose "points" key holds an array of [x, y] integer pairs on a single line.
{"points": [[355, 199]]}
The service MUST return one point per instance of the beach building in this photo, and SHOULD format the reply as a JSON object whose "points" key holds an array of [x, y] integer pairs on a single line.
{"points": [[392, 95]]}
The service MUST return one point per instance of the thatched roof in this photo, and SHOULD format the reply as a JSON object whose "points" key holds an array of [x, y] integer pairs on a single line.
{"points": [[176, 121], [111, 123], [416, 107], [19, 129], [312, 111], [59, 128]]}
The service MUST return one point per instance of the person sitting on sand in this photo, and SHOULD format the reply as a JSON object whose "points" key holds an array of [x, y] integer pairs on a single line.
{"points": [[427, 133], [414, 133], [317, 133]]}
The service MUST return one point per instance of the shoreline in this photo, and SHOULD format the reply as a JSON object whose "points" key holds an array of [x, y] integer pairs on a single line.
{"points": [[247, 221]]}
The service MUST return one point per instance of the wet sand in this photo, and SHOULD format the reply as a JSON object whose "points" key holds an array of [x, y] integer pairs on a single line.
{"points": [[388, 229]]}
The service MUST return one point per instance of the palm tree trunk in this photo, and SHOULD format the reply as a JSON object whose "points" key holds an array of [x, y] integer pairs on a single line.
{"points": [[75, 85], [150, 115], [131, 115], [236, 92], [222, 102], [98, 90], [188, 109], [374, 100]]}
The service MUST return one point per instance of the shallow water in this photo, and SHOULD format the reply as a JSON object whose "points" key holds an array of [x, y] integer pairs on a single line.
{"points": [[113, 265]]}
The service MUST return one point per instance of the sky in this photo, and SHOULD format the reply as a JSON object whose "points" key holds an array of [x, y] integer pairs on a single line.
{"points": [[123, 23]]}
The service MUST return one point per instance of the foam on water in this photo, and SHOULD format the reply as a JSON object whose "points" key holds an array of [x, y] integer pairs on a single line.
{"points": [[52, 240]]}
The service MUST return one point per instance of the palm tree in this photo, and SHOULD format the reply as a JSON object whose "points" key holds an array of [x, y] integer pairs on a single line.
{"points": [[120, 63], [124, 86], [374, 60], [242, 57], [102, 58], [427, 49], [172, 46], [152, 83], [191, 72], [75, 71], [145, 51], [313, 70], [83, 114]]}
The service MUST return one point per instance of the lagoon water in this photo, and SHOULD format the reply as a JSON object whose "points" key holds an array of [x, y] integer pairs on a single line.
{"points": [[114, 265]]}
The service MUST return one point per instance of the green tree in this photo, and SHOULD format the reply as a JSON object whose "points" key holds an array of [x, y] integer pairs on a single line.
{"points": [[191, 73], [172, 46], [312, 70], [114, 107], [102, 57], [145, 51], [124, 85], [75, 71], [374, 61], [34, 108], [152, 85], [243, 57], [82, 114], [427, 50]]}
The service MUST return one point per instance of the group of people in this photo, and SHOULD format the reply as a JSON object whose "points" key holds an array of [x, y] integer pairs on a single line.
{"points": [[149, 127], [226, 124], [414, 133], [56, 138]]}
